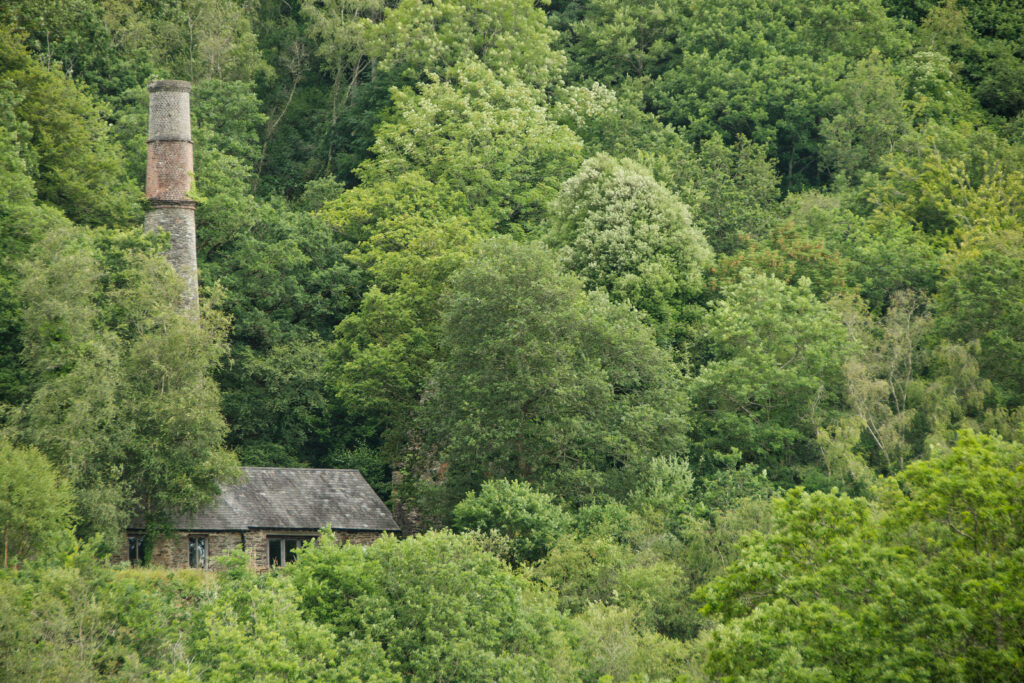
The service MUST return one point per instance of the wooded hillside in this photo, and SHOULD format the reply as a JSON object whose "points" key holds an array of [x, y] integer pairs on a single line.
{"points": [[690, 334]]}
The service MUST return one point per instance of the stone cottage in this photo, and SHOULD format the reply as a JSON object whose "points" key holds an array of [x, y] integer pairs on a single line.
{"points": [[269, 512]]}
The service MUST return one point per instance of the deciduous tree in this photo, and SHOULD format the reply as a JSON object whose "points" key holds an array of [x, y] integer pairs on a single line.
{"points": [[542, 381], [624, 232]]}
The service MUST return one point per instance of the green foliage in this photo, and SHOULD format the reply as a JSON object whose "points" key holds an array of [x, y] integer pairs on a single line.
{"points": [[907, 390], [78, 620], [737, 189], [951, 182], [789, 253], [228, 117], [543, 382], [611, 644], [68, 151], [612, 123], [648, 557], [982, 299], [831, 244], [286, 285], [421, 38], [531, 520], [624, 232], [767, 71], [254, 629], [882, 387], [123, 402], [484, 135], [35, 505], [776, 365], [870, 120], [22, 221], [984, 38], [200, 39], [352, 159], [107, 45], [660, 485], [916, 583], [412, 234], [594, 569], [619, 42], [438, 605]]}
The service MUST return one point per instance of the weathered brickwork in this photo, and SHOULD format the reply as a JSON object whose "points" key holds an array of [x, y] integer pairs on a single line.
{"points": [[169, 170], [172, 552]]}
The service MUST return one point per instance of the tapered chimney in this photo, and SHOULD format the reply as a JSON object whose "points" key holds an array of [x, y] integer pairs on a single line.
{"points": [[169, 180]]}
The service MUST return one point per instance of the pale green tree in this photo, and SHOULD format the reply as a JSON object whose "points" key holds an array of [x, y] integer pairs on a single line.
{"points": [[438, 604], [35, 505], [124, 403], [871, 117], [253, 629], [622, 231], [411, 235], [529, 519], [421, 38], [199, 39], [982, 299], [67, 147]]}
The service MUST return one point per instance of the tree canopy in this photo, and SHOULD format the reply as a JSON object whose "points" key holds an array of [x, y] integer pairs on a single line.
{"points": [[684, 339]]}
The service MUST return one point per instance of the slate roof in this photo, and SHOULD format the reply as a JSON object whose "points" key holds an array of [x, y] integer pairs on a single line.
{"points": [[293, 498]]}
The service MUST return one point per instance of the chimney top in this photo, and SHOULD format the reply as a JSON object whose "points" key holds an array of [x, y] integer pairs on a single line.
{"points": [[175, 86]]}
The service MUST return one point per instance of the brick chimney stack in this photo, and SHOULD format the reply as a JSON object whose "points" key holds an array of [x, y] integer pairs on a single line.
{"points": [[169, 179]]}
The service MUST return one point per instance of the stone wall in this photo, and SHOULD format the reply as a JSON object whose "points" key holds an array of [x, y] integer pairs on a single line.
{"points": [[256, 549], [120, 553], [172, 552], [256, 542], [357, 537]]}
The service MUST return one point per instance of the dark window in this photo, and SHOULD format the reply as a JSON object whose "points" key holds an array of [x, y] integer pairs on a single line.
{"points": [[136, 550], [197, 552], [281, 549]]}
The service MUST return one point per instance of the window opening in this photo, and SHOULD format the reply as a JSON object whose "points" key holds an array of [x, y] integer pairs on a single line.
{"points": [[136, 550], [197, 552], [281, 549]]}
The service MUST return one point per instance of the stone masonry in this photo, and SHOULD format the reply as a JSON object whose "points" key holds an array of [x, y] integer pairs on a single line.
{"points": [[172, 552]]}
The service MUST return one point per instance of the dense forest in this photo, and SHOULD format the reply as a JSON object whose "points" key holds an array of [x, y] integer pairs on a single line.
{"points": [[688, 334]]}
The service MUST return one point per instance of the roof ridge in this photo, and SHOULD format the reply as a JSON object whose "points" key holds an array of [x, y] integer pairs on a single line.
{"points": [[302, 469]]}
